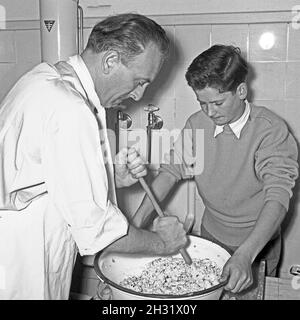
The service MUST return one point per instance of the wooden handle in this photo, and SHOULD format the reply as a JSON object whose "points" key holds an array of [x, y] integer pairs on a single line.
{"points": [[183, 252], [151, 196]]}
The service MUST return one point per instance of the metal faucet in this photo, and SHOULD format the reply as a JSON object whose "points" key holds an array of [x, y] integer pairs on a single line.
{"points": [[124, 121], [154, 123]]}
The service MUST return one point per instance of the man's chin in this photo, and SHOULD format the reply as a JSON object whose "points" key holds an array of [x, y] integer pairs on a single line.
{"points": [[219, 122]]}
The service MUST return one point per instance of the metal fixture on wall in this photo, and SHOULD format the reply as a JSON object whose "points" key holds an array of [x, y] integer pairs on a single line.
{"points": [[61, 24], [124, 121], [154, 123]]}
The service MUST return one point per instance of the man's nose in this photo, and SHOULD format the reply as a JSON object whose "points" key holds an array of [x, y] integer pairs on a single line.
{"points": [[211, 111], [138, 93]]}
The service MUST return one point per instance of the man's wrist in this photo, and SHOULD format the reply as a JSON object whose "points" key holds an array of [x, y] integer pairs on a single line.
{"points": [[246, 252]]}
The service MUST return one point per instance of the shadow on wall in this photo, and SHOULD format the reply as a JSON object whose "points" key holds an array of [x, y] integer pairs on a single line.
{"points": [[290, 217], [289, 220], [250, 78]]}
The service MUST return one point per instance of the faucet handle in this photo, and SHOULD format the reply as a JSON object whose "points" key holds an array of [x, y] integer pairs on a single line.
{"points": [[151, 108], [124, 119]]}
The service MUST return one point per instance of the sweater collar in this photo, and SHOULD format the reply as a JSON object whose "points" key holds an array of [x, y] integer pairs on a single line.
{"points": [[238, 125]]}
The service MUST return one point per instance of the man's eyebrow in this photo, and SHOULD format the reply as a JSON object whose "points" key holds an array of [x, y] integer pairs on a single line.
{"points": [[214, 101], [143, 80]]}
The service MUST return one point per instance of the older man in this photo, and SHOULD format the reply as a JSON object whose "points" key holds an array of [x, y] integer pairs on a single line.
{"points": [[57, 174]]}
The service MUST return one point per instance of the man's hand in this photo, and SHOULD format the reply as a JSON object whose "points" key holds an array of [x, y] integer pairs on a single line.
{"points": [[129, 167], [171, 232], [238, 272]]}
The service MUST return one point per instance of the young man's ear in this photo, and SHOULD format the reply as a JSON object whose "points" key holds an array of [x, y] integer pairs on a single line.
{"points": [[110, 60], [242, 90]]}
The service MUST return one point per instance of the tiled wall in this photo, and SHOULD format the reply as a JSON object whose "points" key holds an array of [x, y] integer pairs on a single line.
{"points": [[20, 50], [275, 82], [276, 85]]}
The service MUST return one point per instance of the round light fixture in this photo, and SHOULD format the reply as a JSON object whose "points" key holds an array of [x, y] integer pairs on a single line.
{"points": [[267, 40]]}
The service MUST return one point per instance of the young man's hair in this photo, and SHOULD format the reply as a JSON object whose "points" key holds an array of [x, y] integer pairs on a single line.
{"points": [[220, 67], [128, 34]]}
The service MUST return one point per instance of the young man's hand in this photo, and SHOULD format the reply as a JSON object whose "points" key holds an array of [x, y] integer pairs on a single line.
{"points": [[238, 272]]}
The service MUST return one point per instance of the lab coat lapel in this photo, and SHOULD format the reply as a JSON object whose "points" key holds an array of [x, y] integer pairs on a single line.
{"points": [[65, 69], [101, 119]]}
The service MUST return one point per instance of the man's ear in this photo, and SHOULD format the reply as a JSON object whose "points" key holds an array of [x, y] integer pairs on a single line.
{"points": [[242, 90], [110, 60]]}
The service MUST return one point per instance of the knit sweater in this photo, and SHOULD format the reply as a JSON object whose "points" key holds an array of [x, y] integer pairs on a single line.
{"points": [[235, 177]]}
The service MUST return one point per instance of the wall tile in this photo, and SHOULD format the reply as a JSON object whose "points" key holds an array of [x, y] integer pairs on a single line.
{"points": [[7, 46], [7, 78], [278, 106], [236, 35], [159, 91], [185, 107], [167, 112], [182, 89], [28, 46], [21, 10], [294, 43], [279, 49], [164, 83], [10, 73], [293, 80], [290, 255], [292, 111], [291, 230], [86, 34], [21, 68], [269, 81], [190, 42]]}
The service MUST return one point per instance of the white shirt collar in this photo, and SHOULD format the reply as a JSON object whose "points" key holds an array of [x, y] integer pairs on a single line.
{"points": [[238, 125], [86, 80]]}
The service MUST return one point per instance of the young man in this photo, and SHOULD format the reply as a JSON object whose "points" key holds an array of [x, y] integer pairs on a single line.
{"points": [[250, 166], [57, 177]]}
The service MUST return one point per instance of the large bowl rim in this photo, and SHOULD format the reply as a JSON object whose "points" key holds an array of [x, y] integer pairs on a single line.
{"points": [[102, 277]]}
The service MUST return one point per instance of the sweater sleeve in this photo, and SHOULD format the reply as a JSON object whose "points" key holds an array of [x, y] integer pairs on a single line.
{"points": [[186, 158], [276, 163]]}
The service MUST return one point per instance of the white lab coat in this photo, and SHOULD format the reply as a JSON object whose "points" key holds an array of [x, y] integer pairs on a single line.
{"points": [[57, 189]]}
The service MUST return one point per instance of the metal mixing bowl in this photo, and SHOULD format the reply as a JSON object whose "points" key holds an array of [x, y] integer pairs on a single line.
{"points": [[112, 268]]}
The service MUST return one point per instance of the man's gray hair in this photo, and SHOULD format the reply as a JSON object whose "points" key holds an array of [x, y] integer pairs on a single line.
{"points": [[128, 34]]}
